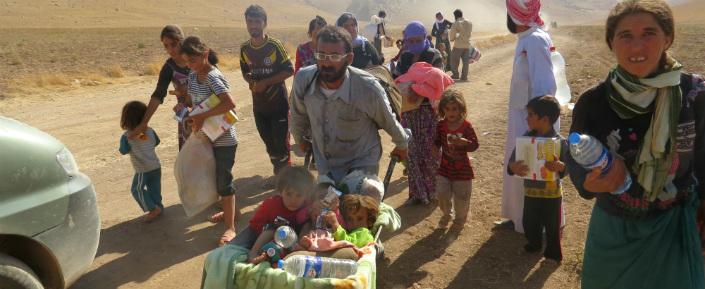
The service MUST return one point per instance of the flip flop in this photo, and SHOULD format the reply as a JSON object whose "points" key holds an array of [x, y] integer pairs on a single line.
{"points": [[217, 217], [226, 237]]}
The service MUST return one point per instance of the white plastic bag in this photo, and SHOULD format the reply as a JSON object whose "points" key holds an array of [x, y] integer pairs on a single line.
{"points": [[194, 170]]}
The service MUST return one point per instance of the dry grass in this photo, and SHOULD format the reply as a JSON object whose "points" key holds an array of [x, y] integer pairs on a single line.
{"points": [[152, 67], [115, 71], [49, 80], [228, 62], [72, 52]]}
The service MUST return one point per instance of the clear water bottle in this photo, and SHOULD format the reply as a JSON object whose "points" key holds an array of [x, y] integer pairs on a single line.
{"points": [[562, 88], [318, 267], [332, 194], [285, 237], [590, 153]]}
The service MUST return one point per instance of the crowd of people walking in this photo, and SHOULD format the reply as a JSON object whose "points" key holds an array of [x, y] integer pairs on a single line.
{"points": [[648, 113]]}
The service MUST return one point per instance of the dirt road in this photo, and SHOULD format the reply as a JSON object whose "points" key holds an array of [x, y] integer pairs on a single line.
{"points": [[170, 252]]}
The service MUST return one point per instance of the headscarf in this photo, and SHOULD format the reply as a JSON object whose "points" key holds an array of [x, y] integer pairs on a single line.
{"points": [[415, 29], [525, 12], [630, 96], [427, 80], [442, 18]]}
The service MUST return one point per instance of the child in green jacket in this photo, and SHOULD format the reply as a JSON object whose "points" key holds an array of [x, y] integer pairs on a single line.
{"points": [[360, 213]]}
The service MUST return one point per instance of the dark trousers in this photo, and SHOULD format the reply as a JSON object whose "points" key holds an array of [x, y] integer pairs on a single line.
{"points": [[224, 161], [273, 128], [540, 214]]}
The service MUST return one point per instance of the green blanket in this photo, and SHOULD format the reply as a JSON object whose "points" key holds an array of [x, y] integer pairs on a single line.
{"points": [[227, 268]]}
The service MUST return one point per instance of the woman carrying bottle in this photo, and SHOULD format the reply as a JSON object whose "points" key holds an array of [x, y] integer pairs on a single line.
{"points": [[651, 116]]}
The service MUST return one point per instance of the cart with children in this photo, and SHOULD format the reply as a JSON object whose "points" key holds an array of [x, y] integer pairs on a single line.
{"points": [[333, 220]]}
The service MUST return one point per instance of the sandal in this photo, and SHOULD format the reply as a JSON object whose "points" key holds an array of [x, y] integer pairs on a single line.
{"points": [[227, 236], [153, 214], [217, 217]]}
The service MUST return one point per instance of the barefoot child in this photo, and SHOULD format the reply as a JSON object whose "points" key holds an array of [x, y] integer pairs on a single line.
{"points": [[205, 80], [295, 188], [146, 184], [455, 137], [542, 199]]}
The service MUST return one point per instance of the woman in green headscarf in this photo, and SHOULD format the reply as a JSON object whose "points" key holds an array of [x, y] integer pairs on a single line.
{"points": [[651, 116]]}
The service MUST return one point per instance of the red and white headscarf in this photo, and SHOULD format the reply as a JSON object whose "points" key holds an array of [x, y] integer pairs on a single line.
{"points": [[525, 12]]}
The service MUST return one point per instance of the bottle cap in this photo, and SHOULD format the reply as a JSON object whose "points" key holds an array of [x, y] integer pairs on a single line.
{"points": [[271, 252], [281, 233], [280, 264], [574, 138]]}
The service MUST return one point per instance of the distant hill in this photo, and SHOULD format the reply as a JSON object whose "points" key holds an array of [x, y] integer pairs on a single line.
{"points": [[147, 13], [485, 14]]}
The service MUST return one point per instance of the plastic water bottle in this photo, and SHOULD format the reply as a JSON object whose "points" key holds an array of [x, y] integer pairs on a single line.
{"points": [[285, 237], [562, 88], [590, 153], [318, 267], [332, 194]]}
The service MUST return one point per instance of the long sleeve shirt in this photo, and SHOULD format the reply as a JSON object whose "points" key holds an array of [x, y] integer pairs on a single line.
{"points": [[532, 73], [344, 125], [455, 163], [360, 237], [460, 32]]}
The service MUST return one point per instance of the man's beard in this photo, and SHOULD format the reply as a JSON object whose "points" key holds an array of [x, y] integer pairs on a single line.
{"points": [[511, 26], [329, 74]]}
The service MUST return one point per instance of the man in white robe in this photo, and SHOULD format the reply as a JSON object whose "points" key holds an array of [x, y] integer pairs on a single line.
{"points": [[532, 76]]}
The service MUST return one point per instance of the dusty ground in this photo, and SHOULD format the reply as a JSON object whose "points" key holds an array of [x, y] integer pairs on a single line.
{"points": [[170, 252]]}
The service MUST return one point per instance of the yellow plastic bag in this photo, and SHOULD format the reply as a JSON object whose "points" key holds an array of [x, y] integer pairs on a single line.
{"points": [[194, 170]]}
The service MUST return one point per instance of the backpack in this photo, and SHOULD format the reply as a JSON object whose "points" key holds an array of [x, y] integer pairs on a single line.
{"points": [[384, 78]]}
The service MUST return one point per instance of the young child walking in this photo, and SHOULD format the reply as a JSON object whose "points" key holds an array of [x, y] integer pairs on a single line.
{"points": [[455, 137], [146, 184], [205, 80], [542, 199]]}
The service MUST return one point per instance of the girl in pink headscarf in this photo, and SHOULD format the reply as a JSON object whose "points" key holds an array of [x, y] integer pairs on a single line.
{"points": [[421, 86], [532, 76]]}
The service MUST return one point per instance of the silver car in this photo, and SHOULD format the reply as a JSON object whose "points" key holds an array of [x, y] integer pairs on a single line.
{"points": [[49, 223]]}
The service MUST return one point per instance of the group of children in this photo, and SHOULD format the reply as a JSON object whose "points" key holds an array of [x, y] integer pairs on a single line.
{"points": [[323, 227], [298, 198]]}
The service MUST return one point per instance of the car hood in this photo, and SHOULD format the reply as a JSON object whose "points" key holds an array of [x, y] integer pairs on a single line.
{"points": [[33, 185]]}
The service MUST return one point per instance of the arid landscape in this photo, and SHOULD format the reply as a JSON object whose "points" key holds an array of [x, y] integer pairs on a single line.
{"points": [[71, 80]]}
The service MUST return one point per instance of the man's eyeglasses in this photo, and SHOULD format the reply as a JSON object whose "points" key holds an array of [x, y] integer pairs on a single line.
{"points": [[330, 57]]}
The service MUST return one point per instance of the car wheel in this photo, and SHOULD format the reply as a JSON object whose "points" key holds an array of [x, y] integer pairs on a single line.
{"points": [[16, 275]]}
